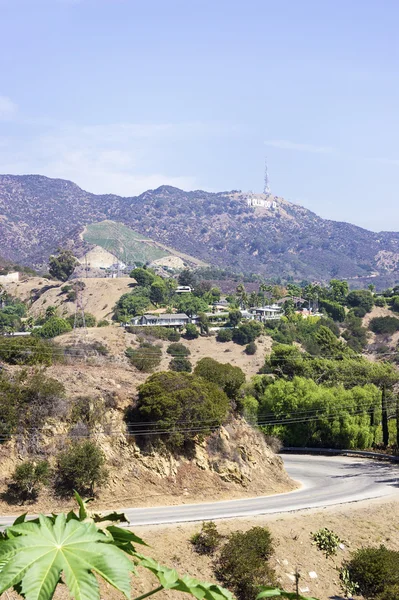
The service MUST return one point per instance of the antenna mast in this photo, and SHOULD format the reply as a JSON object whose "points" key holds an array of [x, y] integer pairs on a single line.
{"points": [[266, 187]]}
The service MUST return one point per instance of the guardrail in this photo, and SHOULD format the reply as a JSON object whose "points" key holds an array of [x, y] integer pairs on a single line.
{"points": [[333, 451]]}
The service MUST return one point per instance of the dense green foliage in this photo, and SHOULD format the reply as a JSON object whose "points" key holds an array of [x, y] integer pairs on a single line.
{"points": [[376, 572], [144, 277], [180, 364], [178, 350], [361, 298], [247, 332], [26, 351], [208, 540], [146, 357], [62, 265], [384, 325], [132, 304], [182, 405], [227, 377], [337, 418], [333, 309], [191, 332], [224, 335], [242, 564], [27, 480], [80, 467], [53, 327]]}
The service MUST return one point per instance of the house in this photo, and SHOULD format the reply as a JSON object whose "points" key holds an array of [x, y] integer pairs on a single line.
{"points": [[162, 320], [184, 289], [266, 313], [220, 306]]}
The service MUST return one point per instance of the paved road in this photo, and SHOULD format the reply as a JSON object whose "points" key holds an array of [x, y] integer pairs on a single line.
{"points": [[325, 481]]}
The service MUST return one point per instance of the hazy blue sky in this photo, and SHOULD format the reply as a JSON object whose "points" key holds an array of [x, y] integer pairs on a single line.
{"points": [[125, 95]]}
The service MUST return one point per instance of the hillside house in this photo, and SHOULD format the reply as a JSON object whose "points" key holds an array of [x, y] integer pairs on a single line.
{"points": [[162, 320], [184, 289], [266, 313]]}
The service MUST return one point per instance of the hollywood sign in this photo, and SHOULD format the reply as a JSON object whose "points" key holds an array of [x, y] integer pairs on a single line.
{"points": [[260, 202]]}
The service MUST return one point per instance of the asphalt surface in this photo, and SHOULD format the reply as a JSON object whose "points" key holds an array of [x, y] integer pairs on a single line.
{"points": [[325, 481]]}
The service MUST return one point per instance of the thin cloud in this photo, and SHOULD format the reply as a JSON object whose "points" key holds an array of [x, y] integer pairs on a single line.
{"points": [[299, 147], [8, 108]]}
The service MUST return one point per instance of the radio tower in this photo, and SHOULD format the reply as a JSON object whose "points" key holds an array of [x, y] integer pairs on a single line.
{"points": [[266, 187]]}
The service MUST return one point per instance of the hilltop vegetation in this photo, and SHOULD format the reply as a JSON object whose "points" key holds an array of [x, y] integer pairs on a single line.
{"points": [[40, 214]]}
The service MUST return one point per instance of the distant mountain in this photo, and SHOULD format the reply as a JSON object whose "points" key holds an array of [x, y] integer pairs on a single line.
{"points": [[274, 237]]}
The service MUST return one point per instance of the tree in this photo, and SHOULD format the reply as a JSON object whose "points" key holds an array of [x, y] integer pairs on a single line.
{"points": [[132, 304], [363, 298], [158, 292], [338, 290], [144, 277], [334, 310], [80, 468], [235, 317], [251, 348], [187, 277], [384, 325], [243, 562], [227, 377], [62, 265], [178, 350], [53, 327], [191, 331], [224, 335], [247, 332], [190, 304], [27, 480], [178, 402]]}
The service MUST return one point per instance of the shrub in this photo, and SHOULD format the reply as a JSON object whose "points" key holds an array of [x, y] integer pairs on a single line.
{"points": [[27, 480], [207, 540], [247, 332], [172, 335], [391, 592], [250, 348], [243, 562], [326, 540], [191, 332], [333, 309], [359, 312], [161, 333], [80, 468], [224, 335], [146, 357], [176, 401], [103, 323], [53, 327], [180, 365], [380, 301], [387, 325], [178, 350], [26, 351], [229, 378], [375, 570], [363, 298]]}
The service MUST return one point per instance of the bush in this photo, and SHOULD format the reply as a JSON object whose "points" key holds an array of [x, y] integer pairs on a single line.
{"points": [[27, 480], [180, 365], [26, 351], [176, 401], [229, 378], [53, 327], [146, 357], [224, 335], [161, 333], [207, 540], [191, 332], [247, 332], [243, 562], [387, 325], [103, 323], [80, 468], [334, 310], [375, 570], [251, 348], [326, 540], [172, 335], [380, 301], [359, 312], [178, 350]]}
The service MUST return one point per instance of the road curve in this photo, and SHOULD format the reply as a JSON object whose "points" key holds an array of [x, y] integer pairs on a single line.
{"points": [[325, 481]]}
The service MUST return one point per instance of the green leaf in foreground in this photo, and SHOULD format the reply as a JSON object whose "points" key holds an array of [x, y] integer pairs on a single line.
{"points": [[38, 553], [269, 592], [170, 580]]}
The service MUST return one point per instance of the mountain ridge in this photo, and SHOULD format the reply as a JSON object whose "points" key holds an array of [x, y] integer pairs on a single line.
{"points": [[274, 237]]}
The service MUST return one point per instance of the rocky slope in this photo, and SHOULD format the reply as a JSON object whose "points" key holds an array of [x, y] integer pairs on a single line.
{"points": [[37, 214]]}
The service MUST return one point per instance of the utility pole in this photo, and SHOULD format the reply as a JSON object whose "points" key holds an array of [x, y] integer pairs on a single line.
{"points": [[79, 309], [266, 187]]}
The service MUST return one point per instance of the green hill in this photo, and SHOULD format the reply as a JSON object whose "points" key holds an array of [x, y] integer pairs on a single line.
{"points": [[125, 243]]}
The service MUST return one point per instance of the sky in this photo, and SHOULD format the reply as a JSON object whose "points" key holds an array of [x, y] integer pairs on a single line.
{"points": [[125, 95]]}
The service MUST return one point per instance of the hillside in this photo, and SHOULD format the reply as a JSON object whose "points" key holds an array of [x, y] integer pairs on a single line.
{"points": [[37, 214]]}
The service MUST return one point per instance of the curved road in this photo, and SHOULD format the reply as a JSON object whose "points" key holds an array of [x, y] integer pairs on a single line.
{"points": [[325, 481]]}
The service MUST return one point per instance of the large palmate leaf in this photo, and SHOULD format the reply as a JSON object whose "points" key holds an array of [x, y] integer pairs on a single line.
{"points": [[37, 554], [269, 592], [170, 580]]}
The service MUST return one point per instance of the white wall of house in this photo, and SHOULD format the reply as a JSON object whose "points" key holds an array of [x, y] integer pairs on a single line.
{"points": [[10, 277]]}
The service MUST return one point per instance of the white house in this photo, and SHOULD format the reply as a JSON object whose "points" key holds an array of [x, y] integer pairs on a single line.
{"points": [[184, 289], [267, 313], [162, 320]]}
